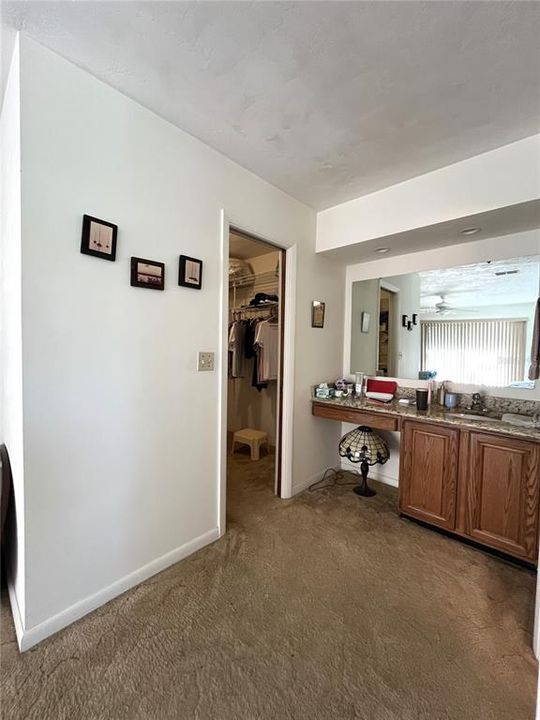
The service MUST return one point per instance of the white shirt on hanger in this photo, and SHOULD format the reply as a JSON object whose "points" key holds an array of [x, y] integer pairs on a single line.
{"points": [[267, 339]]}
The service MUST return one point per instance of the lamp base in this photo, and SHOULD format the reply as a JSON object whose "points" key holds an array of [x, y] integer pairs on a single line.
{"points": [[364, 490]]}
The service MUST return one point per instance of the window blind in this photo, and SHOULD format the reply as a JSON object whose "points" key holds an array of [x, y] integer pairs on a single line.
{"points": [[489, 352]]}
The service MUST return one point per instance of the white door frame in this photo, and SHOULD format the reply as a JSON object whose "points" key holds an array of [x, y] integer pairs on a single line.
{"points": [[288, 367]]}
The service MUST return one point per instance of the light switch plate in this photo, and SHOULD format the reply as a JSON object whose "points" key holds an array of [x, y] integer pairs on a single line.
{"points": [[205, 361]]}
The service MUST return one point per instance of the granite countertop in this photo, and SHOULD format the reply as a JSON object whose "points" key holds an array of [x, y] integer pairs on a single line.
{"points": [[434, 414]]}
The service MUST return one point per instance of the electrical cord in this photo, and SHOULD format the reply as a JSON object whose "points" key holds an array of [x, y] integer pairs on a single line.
{"points": [[334, 478]]}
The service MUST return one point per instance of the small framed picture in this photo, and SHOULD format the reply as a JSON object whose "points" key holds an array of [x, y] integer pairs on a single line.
{"points": [[147, 274], [98, 238], [365, 320], [317, 314], [190, 272]]}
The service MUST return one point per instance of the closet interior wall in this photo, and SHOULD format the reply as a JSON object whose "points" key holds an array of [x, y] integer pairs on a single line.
{"points": [[248, 407]]}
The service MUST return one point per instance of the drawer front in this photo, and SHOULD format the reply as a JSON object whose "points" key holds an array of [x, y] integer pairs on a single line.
{"points": [[378, 421]]}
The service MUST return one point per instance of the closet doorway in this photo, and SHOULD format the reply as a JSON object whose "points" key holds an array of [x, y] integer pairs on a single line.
{"points": [[255, 364]]}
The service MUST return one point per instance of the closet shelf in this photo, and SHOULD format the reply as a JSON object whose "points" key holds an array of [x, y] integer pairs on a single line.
{"points": [[264, 278]]}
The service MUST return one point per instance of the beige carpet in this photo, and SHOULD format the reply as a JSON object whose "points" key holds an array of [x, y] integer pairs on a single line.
{"points": [[325, 606]]}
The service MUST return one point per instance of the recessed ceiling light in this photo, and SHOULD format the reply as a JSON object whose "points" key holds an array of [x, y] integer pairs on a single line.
{"points": [[382, 250], [470, 231]]}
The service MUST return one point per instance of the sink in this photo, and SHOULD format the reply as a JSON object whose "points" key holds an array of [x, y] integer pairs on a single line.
{"points": [[470, 416]]}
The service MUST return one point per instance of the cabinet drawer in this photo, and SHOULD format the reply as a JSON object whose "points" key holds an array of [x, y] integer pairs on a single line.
{"points": [[378, 421]]}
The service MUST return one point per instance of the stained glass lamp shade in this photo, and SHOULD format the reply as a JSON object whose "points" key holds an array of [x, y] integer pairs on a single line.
{"points": [[363, 446]]}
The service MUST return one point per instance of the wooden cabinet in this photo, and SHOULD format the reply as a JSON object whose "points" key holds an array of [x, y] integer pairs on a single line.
{"points": [[479, 485], [502, 494], [429, 473]]}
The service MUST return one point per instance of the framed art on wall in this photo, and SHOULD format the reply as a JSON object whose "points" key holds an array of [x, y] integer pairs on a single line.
{"points": [[98, 238], [190, 272], [317, 314], [147, 274]]}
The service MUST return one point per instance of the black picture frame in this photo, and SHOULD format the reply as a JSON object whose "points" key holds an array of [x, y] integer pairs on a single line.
{"points": [[190, 272], [147, 280], [98, 233], [317, 314]]}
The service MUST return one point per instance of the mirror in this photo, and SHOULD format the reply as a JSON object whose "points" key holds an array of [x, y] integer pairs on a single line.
{"points": [[470, 324]]}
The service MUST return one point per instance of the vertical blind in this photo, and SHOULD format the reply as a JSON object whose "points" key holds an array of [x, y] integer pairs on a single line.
{"points": [[489, 352]]}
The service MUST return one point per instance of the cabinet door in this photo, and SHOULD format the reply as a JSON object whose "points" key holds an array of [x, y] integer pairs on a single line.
{"points": [[502, 494], [428, 473]]}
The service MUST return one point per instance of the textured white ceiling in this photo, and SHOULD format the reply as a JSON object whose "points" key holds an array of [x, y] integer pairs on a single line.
{"points": [[326, 100], [478, 285]]}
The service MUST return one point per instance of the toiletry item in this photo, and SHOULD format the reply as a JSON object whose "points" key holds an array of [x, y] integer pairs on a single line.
{"points": [[322, 391], [359, 380], [431, 388], [441, 393], [450, 400], [422, 399], [382, 397], [404, 401], [338, 393], [377, 385]]}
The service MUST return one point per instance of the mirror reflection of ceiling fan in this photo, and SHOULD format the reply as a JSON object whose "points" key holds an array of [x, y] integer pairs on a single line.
{"points": [[445, 308]]}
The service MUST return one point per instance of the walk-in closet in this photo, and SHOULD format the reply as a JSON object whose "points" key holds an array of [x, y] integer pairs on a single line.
{"points": [[255, 366]]}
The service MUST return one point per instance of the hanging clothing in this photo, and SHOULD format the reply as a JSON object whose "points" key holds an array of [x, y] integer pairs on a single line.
{"points": [[237, 335], [267, 343], [249, 339]]}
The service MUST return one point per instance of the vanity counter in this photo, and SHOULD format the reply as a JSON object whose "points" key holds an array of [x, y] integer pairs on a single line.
{"points": [[389, 416]]}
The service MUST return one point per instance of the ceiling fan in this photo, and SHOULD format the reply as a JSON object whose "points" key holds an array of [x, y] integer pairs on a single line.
{"points": [[445, 308]]}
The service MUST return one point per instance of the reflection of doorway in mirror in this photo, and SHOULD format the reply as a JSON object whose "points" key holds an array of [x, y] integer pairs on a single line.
{"points": [[387, 310]]}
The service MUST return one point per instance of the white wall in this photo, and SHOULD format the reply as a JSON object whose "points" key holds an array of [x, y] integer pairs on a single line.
{"points": [[8, 39], [506, 176], [121, 432], [11, 415], [364, 346], [406, 342]]}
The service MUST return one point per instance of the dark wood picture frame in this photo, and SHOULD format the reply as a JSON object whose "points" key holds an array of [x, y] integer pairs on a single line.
{"points": [[185, 266], [149, 283], [90, 243], [317, 314]]}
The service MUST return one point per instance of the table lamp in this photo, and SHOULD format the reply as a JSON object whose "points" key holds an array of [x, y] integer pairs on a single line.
{"points": [[363, 446]]}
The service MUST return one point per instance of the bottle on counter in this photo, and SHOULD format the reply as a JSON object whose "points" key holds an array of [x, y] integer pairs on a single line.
{"points": [[441, 394], [359, 383]]}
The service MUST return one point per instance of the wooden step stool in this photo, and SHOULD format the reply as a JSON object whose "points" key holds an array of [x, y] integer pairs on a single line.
{"points": [[253, 438]]}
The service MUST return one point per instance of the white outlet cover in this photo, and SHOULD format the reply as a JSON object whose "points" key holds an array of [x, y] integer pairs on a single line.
{"points": [[205, 361]]}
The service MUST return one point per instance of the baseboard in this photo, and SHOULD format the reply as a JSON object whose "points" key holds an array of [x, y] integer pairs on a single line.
{"points": [[304, 484], [15, 611], [31, 636]]}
